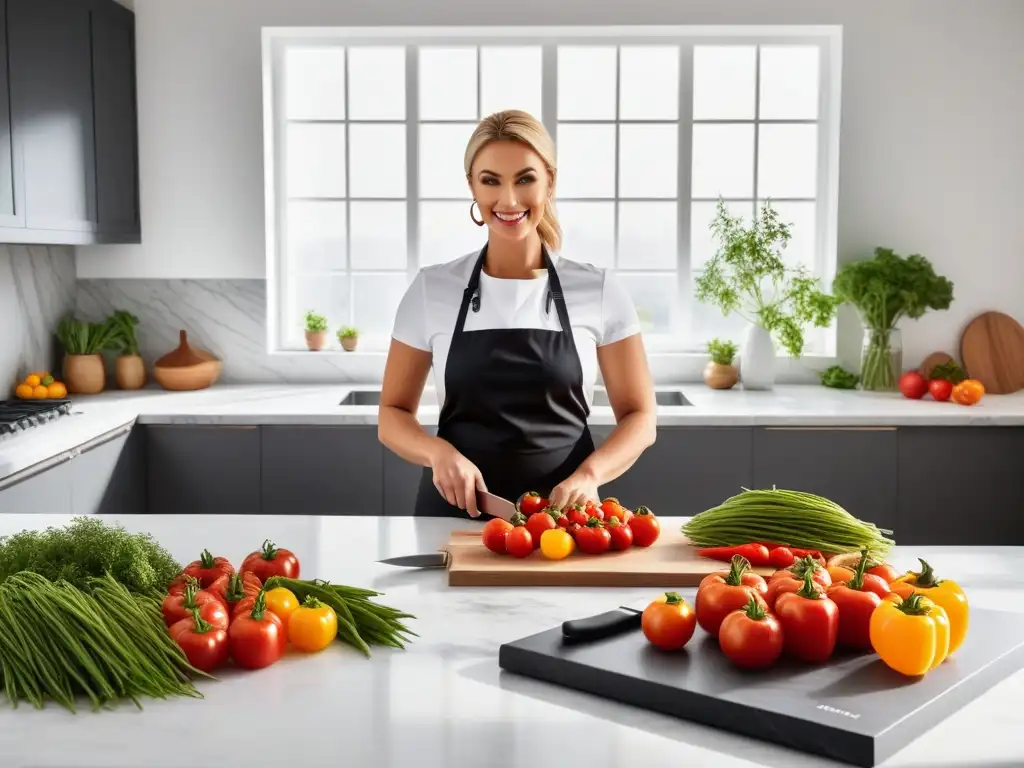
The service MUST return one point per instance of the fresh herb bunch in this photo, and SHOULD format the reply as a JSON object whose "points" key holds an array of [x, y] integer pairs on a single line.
{"points": [[949, 371], [747, 276], [315, 323], [83, 338], [837, 377], [722, 352], [124, 326], [347, 332], [87, 548]]}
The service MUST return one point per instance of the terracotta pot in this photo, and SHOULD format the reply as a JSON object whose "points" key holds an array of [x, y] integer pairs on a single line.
{"points": [[130, 372], [186, 368], [718, 376], [84, 374], [316, 340], [349, 343]]}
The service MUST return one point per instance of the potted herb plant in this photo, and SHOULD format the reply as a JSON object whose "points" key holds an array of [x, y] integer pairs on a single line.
{"points": [[720, 373], [884, 289], [747, 276], [316, 331], [349, 338], [84, 344], [129, 368]]}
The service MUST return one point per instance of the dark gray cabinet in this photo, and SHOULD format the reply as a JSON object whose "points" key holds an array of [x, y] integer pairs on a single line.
{"points": [[42, 490], [322, 470], [687, 470], [196, 469], [401, 482], [856, 467], [108, 475], [70, 158], [961, 486]]}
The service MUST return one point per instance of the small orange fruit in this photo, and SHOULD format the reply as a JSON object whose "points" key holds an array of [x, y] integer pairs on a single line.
{"points": [[968, 392], [57, 390], [24, 391], [33, 380], [40, 392]]}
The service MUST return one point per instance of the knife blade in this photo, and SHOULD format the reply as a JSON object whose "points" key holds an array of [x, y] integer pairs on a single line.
{"points": [[495, 505], [427, 560], [599, 626]]}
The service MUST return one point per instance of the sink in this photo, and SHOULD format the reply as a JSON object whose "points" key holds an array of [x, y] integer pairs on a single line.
{"points": [[669, 397]]}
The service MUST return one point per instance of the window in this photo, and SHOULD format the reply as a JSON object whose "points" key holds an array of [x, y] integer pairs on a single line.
{"points": [[366, 130]]}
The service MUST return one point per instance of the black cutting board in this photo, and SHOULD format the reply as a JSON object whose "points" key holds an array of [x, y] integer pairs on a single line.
{"points": [[853, 709]]}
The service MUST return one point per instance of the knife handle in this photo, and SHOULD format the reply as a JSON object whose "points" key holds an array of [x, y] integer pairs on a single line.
{"points": [[602, 625]]}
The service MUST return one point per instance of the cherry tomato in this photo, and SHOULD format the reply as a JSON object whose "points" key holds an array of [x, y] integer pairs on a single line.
{"points": [[611, 506], [519, 541], [282, 603], [208, 568], [668, 623], [206, 647], [556, 544], [531, 502], [313, 626], [621, 534], [721, 593], [257, 638], [493, 534], [539, 522], [940, 389], [751, 637], [886, 572], [837, 574], [271, 561], [178, 607], [968, 392], [577, 515], [913, 385], [781, 557], [646, 527], [593, 538], [810, 622]]}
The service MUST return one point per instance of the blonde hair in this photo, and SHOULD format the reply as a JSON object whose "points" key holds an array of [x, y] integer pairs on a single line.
{"points": [[516, 125]]}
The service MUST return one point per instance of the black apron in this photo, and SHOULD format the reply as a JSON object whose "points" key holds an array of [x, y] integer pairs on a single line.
{"points": [[514, 403]]}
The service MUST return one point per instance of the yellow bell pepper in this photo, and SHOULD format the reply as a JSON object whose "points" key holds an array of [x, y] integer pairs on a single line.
{"points": [[910, 636], [942, 592]]}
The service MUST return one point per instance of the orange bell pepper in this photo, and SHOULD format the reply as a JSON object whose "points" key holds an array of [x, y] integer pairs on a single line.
{"points": [[911, 636], [943, 592]]}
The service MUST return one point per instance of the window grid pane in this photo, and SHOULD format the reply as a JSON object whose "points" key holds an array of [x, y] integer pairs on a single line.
{"points": [[635, 233]]}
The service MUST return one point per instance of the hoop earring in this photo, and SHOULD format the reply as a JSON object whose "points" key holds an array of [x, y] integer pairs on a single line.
{"points": [[478, 222]]}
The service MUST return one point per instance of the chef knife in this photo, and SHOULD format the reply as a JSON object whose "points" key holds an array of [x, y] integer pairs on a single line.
{"points": [[614, 622], [495, 505], [426, 560]]}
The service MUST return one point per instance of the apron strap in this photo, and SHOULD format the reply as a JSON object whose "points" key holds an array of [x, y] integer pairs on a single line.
{"points": [[471, 294], [555, 292]]}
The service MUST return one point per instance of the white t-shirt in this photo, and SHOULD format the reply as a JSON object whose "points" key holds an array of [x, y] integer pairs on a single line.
{"points": [[600, 310]]}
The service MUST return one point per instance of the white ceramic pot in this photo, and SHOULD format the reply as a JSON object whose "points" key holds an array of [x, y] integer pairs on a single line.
{"points": [[757, 359]]}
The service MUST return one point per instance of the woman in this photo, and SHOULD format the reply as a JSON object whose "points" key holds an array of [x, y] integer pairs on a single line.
{"points": [[515, 336]]}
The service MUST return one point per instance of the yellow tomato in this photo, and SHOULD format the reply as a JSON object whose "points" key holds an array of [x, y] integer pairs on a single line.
{"points": [[313, 626], [282, 603], [911, 636], [556, 543]]}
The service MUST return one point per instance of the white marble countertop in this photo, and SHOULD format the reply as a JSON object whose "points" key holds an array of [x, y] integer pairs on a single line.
{"points": [[792, 405], [444, 701]]}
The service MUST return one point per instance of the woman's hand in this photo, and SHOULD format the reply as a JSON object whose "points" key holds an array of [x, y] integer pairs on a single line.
{"points": [[578, 488], [456, 478]]}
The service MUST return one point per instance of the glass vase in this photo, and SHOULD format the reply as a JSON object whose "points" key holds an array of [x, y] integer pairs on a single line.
{"points": [[881, 360]]}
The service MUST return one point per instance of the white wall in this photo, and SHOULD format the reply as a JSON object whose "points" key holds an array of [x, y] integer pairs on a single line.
{"points": [[931, 145]]}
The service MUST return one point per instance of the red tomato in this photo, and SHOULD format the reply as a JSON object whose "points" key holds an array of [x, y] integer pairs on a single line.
{"points": [[593, 538], [913, 385], [751, 637], [180, 582], [621, 534], [781, 557], [208, 568], [537, 523], [235, 587], [885, 572], [576, 515], [271, 561], [721, 593], [257, 638], [796, 571], [855, 607], [178, 607], [810, 622], [206, 646], [940, 389], [611, 506], [781, 586], [493, 534], [519, 541], [646, 527], [531, 502], [668, 623]]}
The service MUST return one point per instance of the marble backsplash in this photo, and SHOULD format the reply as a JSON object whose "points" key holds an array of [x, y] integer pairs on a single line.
{"points": [[226, 317], [37, 288]]}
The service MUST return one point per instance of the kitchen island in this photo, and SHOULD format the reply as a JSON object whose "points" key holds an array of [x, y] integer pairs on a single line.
{"points": [[443, 700]]}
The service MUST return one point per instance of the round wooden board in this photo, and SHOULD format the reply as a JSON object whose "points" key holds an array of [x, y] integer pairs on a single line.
{"points": [[992, 351], [931, 362]]}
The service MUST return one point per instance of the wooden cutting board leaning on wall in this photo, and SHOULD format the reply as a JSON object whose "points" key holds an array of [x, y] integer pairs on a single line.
{"points": [[671, 562], [992, 351]]}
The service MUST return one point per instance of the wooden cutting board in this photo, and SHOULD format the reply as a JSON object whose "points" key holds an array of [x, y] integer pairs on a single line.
{"points": [[671, 562], [992, 351], [933, 361]]}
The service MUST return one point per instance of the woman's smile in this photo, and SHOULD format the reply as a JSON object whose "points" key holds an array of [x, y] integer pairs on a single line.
{"points": [[511, 218]]}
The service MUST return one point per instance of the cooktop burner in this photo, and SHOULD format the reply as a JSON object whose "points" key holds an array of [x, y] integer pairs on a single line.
{"points": [[21, 415]]}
